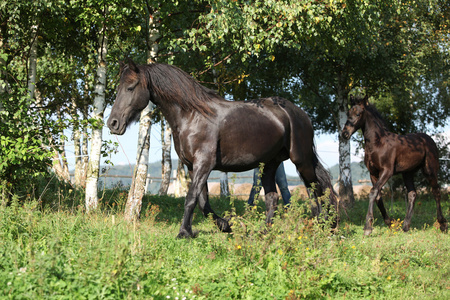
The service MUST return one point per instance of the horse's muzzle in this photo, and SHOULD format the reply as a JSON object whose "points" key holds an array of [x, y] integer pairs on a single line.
{"points": [[114, 127], [345, 134]]}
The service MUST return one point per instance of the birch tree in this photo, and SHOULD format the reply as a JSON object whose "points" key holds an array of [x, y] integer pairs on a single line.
{"points": [[166, 161], [139, 181], [93, 169], [182, 181]]}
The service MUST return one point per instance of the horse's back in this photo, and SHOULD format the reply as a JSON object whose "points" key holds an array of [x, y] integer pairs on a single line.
{"points": [[413, 151]]}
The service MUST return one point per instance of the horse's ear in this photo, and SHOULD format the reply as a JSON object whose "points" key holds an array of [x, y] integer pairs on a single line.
{"points": [[366, 100], [352, 100], [132, 66], [121, 66]]}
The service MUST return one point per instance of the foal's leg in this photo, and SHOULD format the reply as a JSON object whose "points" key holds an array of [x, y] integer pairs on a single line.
{"points": [[375, 192], [205, 207], [432, 178], [408, 178], [380, 204], [270, 190]]}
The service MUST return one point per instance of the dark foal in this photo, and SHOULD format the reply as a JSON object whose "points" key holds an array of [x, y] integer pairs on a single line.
{"points": [[387, 153], [211, 133]]}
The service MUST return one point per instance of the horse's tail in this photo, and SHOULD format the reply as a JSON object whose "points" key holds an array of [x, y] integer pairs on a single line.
{"points": [[324, 180]]}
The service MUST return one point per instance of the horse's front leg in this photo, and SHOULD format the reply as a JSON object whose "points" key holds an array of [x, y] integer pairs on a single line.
{"points": [[375, 192], [199, 178], [380, 204]]}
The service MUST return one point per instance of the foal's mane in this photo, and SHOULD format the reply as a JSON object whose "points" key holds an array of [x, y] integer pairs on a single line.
{"points": [[173, 85], [376, 114]]}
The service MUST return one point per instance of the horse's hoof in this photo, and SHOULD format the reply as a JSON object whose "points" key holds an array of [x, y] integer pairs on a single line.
{"points": [[444, 227], [184, 234], [223, 225]]}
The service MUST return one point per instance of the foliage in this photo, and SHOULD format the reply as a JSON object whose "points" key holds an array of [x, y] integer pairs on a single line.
{"points": [[23, 156], [61, 253], [396, 51], [23, 136]]}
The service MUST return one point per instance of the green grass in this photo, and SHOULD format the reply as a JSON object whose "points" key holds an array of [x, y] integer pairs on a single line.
{"points": [[63, 253]]}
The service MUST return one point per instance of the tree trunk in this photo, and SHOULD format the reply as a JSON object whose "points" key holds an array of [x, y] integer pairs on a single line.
{"points": [[166, 163], [84, 146], [33, 63], [345, 183], [139, 183], [3, 75], [97, 128], [77, 153], [182, 181], [224, 189], [65, 175], [76, 137]]}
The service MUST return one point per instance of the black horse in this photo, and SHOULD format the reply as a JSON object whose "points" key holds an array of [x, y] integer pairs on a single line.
{"points": [[211, 133], [387, 153]]}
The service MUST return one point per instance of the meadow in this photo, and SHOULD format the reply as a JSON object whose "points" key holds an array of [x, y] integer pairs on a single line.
{"points": [[55, 250]]}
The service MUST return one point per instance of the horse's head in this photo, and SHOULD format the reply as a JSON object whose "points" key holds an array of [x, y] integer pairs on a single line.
{"points": [[132, 97], [355, 118]]}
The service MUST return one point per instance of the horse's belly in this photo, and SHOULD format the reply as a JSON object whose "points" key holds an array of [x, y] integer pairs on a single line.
{"points": [[247, 153]]}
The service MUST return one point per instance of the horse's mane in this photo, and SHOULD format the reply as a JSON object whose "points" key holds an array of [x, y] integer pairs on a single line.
{"points": [[371, 108], [173, 85]]}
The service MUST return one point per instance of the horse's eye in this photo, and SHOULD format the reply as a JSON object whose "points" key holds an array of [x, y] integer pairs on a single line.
{"points": [[358, 114], [130, 89]]}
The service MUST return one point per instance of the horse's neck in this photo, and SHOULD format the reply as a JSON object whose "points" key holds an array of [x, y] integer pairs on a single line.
{"points": [[172, 115], [373, 128]]}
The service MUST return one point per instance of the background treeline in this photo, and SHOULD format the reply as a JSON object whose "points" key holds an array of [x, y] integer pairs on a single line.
{"points": [[59, 68]]}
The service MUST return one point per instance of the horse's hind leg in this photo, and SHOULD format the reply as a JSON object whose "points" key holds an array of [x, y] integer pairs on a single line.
{"points": [[205, 207], [270, 190], [408, 178], [432, 179]]}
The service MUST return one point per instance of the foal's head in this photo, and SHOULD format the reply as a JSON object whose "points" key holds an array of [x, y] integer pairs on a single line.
{"points": [[355, 118], [132, 97]]}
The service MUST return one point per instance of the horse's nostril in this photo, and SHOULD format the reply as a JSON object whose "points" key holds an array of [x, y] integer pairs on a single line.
{"points": [[114, 124]]}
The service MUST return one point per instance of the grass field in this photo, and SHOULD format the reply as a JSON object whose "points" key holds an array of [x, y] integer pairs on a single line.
{"points": [[63, 253]]}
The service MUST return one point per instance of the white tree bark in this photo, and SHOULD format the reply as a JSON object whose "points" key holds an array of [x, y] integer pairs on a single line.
{"points": [[77, 153], [84, 144], [182, 181], [139, 182], [97, 128], [224, 188], [33, 63], [166, 139], [3, 82], [345, 183]]}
